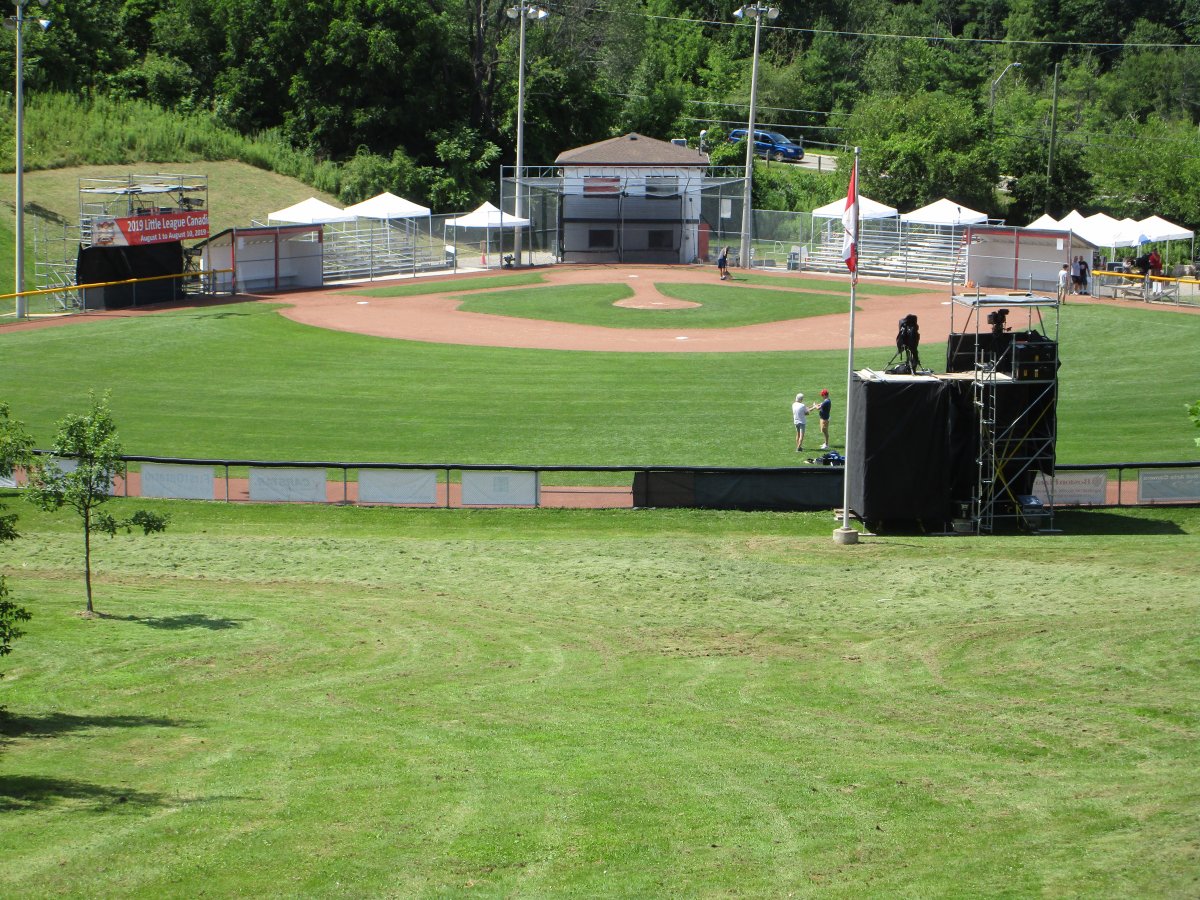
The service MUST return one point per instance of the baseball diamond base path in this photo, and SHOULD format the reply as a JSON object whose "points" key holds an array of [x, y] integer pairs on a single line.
{"points": [[435, 318]]}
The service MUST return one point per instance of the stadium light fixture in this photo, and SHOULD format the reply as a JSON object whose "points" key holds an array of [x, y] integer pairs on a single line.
{"points": [[757, 12], [17, 23], [992, 97], [522, 12]]}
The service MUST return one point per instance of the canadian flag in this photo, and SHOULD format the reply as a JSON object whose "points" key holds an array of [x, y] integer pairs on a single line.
{"points": [[850, 223]]}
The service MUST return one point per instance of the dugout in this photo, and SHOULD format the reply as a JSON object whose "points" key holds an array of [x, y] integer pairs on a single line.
{"points": [[266, 258], [1020, 259]]}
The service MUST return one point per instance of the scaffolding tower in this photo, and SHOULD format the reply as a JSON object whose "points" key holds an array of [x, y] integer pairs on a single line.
{"points": [[1013, 343]]}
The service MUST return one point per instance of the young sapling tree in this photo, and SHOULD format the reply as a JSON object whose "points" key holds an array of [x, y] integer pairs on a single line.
{"points": [[91, 442]]}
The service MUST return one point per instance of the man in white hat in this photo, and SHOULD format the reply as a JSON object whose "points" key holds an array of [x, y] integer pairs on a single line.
{"points": [[800, 417]]}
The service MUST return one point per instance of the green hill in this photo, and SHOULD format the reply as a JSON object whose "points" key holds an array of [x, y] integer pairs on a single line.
{"points": [[237, 194]]}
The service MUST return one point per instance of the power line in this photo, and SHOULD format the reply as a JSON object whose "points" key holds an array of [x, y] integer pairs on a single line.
{"points": [[811, 112], [762, 126], [934, 38], [941, 39]]}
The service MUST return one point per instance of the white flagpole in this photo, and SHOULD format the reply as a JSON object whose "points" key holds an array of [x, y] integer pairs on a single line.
{"points": [[845, 534]]}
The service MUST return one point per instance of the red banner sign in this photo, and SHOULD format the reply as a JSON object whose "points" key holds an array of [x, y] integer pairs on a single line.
{"points": [[157, 228]]}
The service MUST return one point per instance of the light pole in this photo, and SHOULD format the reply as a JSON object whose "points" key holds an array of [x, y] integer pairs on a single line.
{"points": [[992, 98], [521, 12], [756, 11], [17, 23]]}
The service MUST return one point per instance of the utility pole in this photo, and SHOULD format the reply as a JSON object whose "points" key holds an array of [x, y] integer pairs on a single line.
{"points": [[1053, 135]]}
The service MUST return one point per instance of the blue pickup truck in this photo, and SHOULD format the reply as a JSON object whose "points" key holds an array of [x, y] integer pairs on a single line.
{"points": [[770, 145]]}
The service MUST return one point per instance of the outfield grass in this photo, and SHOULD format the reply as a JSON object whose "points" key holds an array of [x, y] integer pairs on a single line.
{"points": [[371, 702], [288, 391]]}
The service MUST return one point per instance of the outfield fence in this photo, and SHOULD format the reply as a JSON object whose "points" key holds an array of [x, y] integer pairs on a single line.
{"points": [[126, 293], [466, 485]]}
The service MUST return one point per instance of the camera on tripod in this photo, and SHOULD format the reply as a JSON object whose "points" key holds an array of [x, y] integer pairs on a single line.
{"points": [[908, 337], [996, 319]]}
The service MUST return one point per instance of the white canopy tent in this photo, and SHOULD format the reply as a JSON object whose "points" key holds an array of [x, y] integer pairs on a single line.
{"points": [[1072, 220], [1045, 220], [310, 212], [944, 212], [1103, 230], [393, 213], [1159, 229], [867, 209], [1100, 229], [1130, 234], [387, 206], [488, 218]]}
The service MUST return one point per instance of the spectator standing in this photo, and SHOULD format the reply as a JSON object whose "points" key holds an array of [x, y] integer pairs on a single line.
{"points": [[1075, 280], [1064, 276], [823, 408], [800, 419], [723, 263], [1085, 275], [1155, 262]]}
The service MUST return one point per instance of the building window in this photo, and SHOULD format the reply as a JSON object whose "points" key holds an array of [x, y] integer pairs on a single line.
{"points": [[601, 238], [662, 186], [601, 184], [660, 239]]}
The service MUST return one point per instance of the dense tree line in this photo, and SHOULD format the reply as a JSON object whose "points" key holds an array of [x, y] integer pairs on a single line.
{"points": [[420, 95]]}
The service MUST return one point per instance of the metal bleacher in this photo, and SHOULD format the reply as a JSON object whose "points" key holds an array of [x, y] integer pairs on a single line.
{"points": [[920, 253]]}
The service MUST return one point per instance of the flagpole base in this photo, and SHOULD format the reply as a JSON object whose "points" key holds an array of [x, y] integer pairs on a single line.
{"points": [[845, 536]]}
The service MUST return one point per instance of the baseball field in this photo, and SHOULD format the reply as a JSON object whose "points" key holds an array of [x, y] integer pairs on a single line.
{"points": [[286, 700]]}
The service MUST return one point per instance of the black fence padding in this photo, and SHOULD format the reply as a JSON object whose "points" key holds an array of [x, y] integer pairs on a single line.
{"points": [[664, 489], [101, 264], [783, 490], [801, 489]]}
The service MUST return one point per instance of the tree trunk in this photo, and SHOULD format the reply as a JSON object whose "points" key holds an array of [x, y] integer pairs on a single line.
{"points": [[87, 557]]}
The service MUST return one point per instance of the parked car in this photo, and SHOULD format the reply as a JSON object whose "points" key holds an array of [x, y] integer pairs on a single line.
{"points": [[770, 144]]}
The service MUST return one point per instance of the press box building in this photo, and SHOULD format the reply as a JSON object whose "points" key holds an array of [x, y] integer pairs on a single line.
{"points": [[632, 199]]}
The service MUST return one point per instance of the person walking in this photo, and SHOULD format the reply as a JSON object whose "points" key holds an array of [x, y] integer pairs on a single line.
{"points": [[723, 263], [800, 419], [1063, 276], [823, 409]]}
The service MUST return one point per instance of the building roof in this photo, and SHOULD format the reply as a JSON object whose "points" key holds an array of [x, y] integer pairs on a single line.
{"points": [[632, 150]]}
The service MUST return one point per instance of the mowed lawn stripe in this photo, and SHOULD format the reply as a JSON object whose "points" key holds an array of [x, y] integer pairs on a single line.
{"points": [[595, 703]]}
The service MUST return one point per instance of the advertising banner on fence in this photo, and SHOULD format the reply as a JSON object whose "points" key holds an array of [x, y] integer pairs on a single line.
{"points": [[287, 485], [499, 488], [1073, 488], [177, 482], [1169, 486], [397, 486], [158, 228]]}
